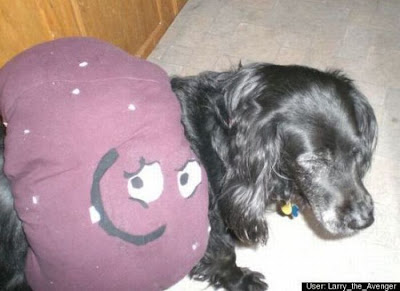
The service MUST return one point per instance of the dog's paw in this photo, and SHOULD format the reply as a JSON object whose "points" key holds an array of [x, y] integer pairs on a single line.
{"points": [[247, 281], [250, 233]]}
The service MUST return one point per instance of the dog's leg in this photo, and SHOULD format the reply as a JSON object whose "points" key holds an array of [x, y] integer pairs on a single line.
{"points": [[218, 266], [13, 244]]}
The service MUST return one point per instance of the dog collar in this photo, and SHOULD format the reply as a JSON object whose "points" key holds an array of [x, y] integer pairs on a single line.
{"points": [[290, 209]]}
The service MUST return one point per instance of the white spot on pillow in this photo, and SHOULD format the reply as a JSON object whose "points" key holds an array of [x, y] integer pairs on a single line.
{"points": [[27, 131], [83, 64], [35, 199], [131, 107], [76, 91], [94, 214], [195, 246], [5, 124]]}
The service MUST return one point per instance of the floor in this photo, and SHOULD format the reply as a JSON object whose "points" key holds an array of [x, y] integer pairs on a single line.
{"points": [[362, 37]]}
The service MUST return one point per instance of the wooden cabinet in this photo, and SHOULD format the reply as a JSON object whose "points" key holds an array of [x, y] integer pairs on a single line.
{"points": [[134, 25]]}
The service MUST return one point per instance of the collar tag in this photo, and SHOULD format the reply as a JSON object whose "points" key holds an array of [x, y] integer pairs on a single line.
{"points": [[290, 209]]}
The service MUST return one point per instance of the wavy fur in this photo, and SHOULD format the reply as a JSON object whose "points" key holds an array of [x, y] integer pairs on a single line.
{"points": [[268, 133]]}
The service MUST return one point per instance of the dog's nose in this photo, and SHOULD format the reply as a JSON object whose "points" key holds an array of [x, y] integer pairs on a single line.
{"points": [[361, 223]]}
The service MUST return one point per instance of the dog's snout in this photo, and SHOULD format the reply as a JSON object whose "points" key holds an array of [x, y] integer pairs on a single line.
{"points": [[363, 218], [360, 214], [357, 224]]}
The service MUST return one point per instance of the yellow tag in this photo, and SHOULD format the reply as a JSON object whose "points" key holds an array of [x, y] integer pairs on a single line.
{"points": [[287, 208]]}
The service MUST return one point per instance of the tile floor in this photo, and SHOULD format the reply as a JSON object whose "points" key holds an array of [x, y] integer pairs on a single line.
{"points": [[361, 37]]}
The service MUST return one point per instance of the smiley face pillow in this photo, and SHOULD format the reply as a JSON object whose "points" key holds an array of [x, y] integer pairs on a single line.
{"points": [[110, 194]]}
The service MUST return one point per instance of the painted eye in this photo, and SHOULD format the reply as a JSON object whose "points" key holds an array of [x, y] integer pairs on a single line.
{"points": [[189, 178], [147, 184]]}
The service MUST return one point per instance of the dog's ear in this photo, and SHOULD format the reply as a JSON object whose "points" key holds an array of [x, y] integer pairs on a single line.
{"points": [[250, 178], [367, 127], [251, 160]]}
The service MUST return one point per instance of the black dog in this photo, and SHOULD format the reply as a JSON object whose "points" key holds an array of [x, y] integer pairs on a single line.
{"points": [[264, 133]]}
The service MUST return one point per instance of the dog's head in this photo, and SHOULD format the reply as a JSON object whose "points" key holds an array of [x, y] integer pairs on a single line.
{"points": [[296, 131]]}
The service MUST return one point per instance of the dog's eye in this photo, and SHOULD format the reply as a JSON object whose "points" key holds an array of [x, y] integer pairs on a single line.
{"points": [[189, 178], [146, 185], [309, 158]]}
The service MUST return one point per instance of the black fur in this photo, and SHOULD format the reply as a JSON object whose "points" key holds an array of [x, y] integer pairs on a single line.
{"points": [[13, 245], [264, 133]]}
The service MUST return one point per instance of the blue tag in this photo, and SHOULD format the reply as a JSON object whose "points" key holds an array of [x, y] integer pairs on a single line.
{"points": [[295, 210]]}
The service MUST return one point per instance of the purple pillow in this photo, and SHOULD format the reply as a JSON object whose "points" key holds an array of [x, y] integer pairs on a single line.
{"points": [[109, 192]]}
